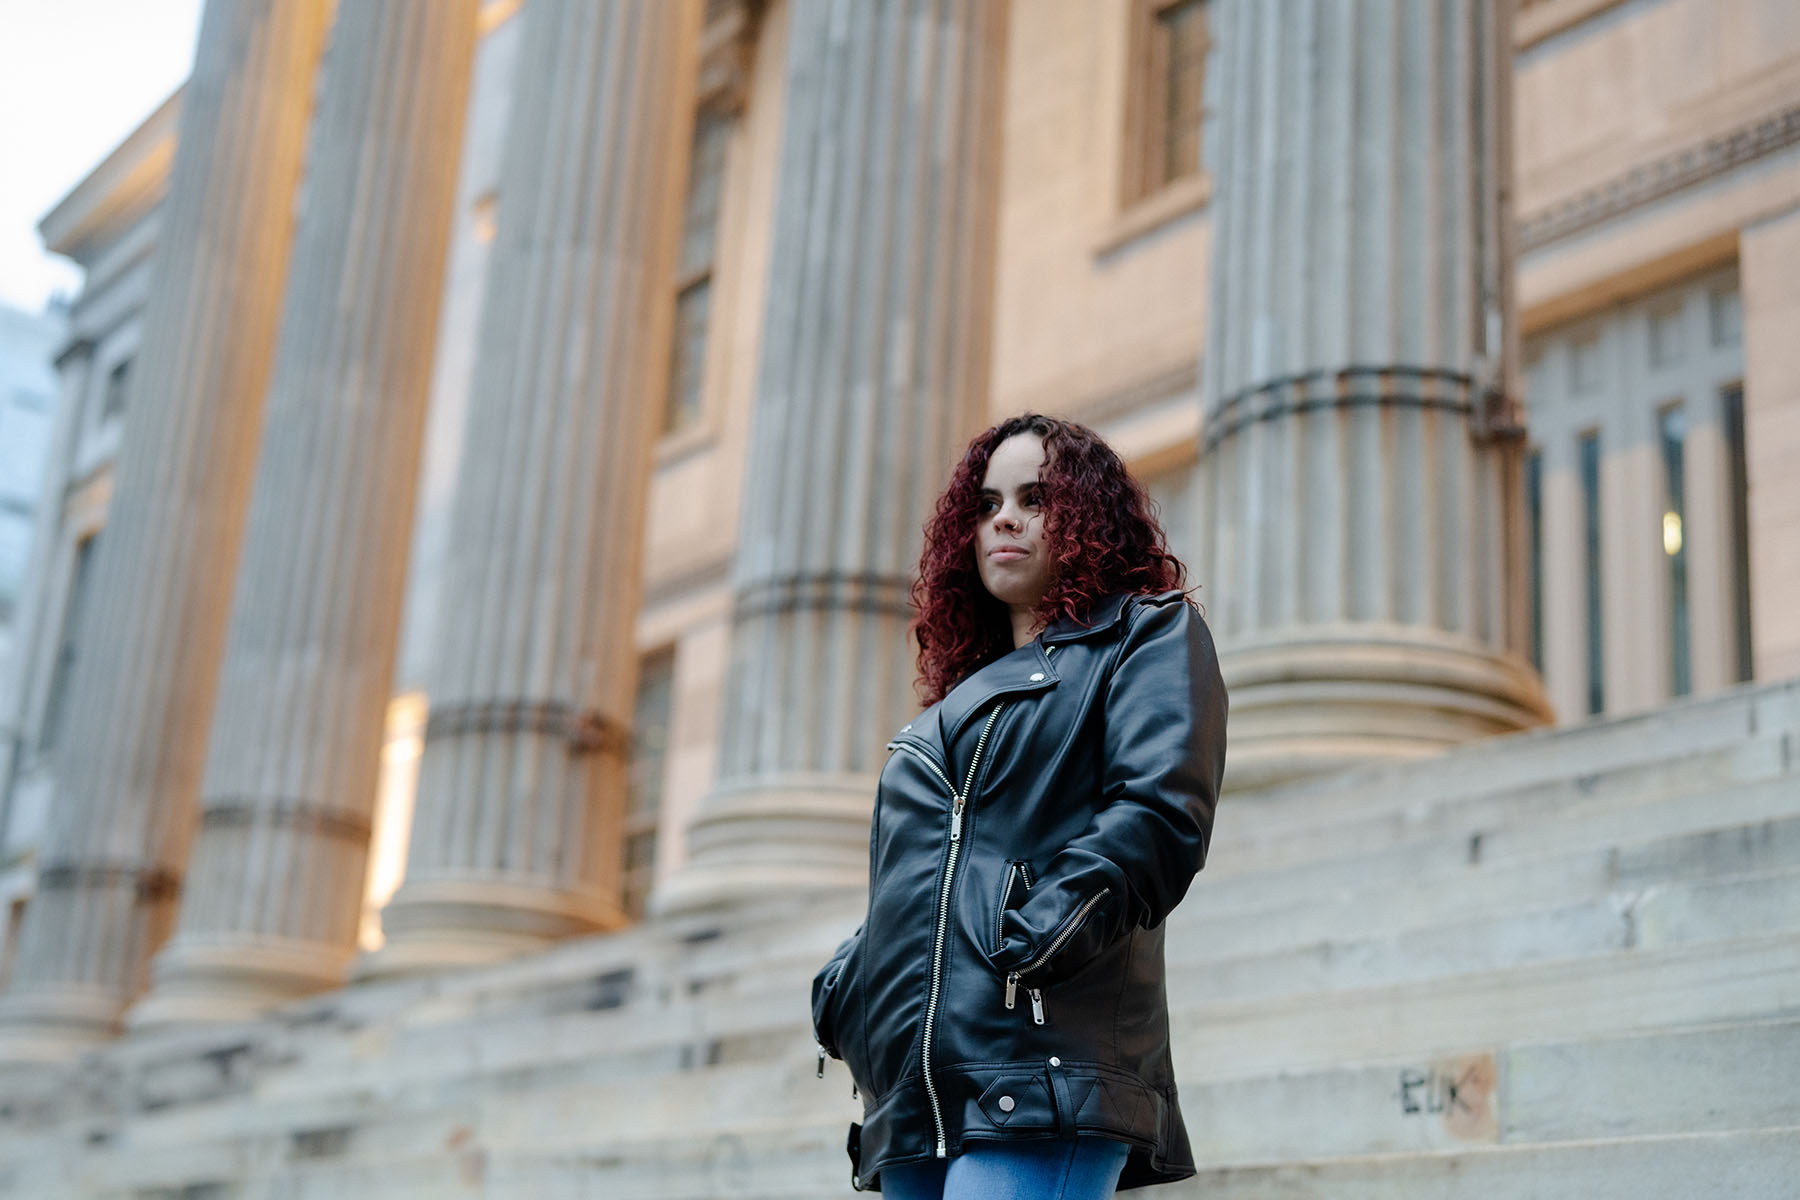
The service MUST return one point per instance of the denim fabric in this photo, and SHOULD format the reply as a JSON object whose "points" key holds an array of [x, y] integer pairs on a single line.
{"points": [[1084, 1169]]}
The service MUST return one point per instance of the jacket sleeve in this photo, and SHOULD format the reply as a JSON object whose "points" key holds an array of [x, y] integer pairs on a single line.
{"points": [[1164, 759]]}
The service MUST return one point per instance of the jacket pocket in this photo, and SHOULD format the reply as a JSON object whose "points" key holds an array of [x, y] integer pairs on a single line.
{"points": [[1015, 884], [827, 999]]}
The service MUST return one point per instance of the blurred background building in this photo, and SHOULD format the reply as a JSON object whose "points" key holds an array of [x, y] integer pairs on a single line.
{"points": [[467, 602]]}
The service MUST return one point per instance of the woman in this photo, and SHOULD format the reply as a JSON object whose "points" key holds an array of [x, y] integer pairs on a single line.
{"points": [[1001, 1009]]}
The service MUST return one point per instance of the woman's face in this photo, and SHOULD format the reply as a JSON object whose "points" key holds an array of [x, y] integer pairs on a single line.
{"points": [[1010, 552]]}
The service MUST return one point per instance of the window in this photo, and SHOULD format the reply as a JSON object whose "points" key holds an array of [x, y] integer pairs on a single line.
{"points": [[1584, 364], [116, 381], [649, 759], [64, 664], [1725, 315], [15, 924], [1589, 458], [1163, 111], [1731, 403], [1665, 336], [1671, 427], [1534, 514], [699, 245]]}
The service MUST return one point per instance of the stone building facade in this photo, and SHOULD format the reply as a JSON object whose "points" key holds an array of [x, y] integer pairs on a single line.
{"points": [[496, 436]]}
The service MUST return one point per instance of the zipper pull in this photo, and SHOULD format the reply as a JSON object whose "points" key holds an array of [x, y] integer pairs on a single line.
{"points": [[853, 1094], [956, 822], [821, 1046], [942, 1152], [1012, 988], [1037, 1006]]}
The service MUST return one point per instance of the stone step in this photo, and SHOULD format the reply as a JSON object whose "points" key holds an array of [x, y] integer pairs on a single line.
{"points": [[617, 1139], [1681, 1080], [1449, 856], [1661, 915], [1744, 979], [768, 1015], [800, 1162], [1712, 1078], [1247, 840], [1545, 756], [1641, 989], [1759, 1164], [1461, 891], [1206, 921]]}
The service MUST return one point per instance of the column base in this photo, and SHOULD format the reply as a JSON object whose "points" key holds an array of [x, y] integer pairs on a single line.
{"points": [[1326, 698], [445, 923], [773, 838], [56, 1026], [204, 982]]}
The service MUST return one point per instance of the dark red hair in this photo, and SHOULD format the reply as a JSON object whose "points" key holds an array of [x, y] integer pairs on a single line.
{"points": [[1100, 527]]}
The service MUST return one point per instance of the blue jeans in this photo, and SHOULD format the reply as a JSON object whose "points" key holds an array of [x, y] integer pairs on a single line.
{"points": [[1084, 1169]]}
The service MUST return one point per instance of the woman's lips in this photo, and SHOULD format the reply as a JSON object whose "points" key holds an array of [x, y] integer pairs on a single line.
{"points": [[1007, 553]]}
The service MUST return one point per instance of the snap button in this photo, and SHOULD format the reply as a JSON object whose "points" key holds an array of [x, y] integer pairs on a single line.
{"points": [[904, 728], [1007, 1104], [1055, 1061], [1037, 676]]}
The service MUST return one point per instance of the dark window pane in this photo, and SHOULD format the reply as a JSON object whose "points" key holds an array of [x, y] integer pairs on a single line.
{"points": [[688, 348], [1737, 480], [1672, 431], [649, 763], [1589, 458], [117, 380], [1183, 28], [705, 188], [1534, 506], [64, 664]]}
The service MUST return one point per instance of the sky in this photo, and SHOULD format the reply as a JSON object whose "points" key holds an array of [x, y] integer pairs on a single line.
{"points": [[76, 76]]}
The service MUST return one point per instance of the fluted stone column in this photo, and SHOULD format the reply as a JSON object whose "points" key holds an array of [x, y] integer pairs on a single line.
{"points": [[873, 371], [516, 830], [1360, 446], [128, 764], [275, 882]]}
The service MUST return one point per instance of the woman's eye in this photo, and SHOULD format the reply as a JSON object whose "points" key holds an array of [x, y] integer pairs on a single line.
{"points": [[986, 504]]}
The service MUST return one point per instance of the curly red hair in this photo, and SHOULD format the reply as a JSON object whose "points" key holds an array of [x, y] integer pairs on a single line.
{"points": [[1101, 528]]}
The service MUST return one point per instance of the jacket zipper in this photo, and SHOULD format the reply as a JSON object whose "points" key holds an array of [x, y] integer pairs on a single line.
{"points": [[1014, 869], [1043, 956], [943, 919]]}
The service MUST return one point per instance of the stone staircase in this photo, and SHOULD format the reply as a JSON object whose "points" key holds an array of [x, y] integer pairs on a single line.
{"points": [[1556, 964]]}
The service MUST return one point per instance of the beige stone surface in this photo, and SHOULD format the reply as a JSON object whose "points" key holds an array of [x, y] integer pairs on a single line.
{"points": [[1085, 308], [1772, 433], [1644, 81]]}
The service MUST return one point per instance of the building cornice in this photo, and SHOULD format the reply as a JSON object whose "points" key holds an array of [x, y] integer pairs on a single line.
{"points": [[121, 188], [1652, 181]]}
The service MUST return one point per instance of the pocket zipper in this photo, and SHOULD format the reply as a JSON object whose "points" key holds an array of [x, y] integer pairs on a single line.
{"points": [[1056, 943], [1014, 870]]}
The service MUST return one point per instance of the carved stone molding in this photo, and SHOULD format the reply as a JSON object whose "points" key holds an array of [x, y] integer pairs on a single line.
{"points": [[1661, 177]]}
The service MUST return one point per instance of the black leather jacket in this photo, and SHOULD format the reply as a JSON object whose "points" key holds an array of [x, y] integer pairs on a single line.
{"points": [[1031, 831]]}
